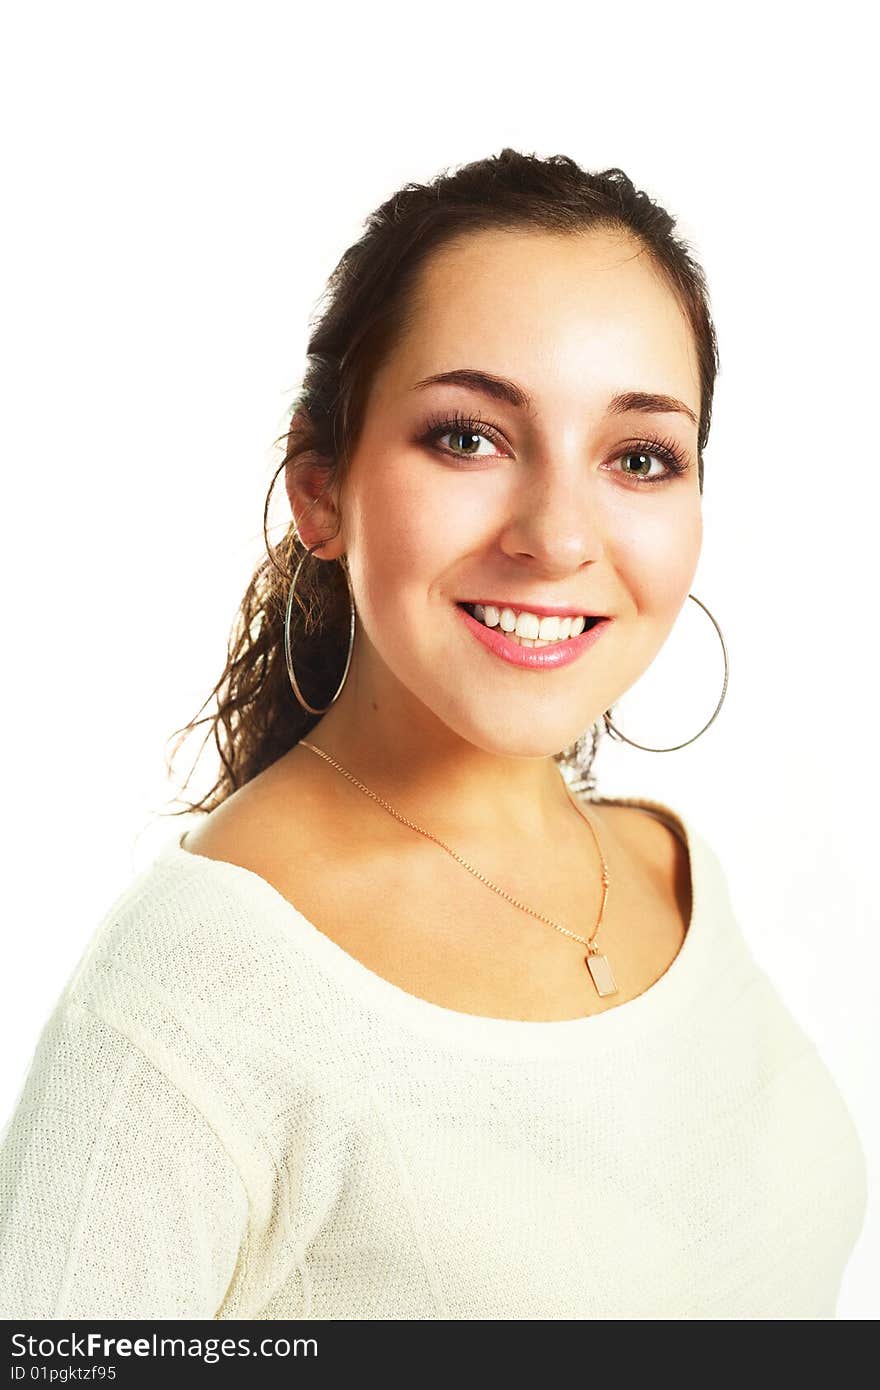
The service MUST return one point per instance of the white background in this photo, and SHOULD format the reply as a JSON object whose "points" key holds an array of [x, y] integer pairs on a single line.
{"points": [[180, 179]]}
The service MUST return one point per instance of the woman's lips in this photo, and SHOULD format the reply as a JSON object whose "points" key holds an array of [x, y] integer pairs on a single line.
{"points": [[556, 654]]}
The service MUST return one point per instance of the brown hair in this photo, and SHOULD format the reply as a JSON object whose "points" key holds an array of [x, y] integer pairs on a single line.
{"points": [[370, 302]]}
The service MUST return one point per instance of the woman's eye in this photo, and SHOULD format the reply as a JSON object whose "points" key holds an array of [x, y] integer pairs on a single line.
{"points": [[468, 436], [642, 464], [466, 443], [672, 462]]}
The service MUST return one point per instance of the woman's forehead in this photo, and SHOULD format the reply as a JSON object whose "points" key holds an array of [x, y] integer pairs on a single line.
{"points": [[590, 314]]}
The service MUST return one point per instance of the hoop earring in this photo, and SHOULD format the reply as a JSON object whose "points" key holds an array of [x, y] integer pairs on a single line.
{"points": [[288, 653], [578, 760]]}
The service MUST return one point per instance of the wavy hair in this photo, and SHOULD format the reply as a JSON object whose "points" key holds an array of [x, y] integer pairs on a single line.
{"points": [[368, 304]]}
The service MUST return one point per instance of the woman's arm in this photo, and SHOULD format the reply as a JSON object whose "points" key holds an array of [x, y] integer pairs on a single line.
{"points": [[117, 1197]]}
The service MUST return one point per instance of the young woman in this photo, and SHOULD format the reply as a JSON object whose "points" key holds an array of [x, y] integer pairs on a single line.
{"points": [[413, 1023]]}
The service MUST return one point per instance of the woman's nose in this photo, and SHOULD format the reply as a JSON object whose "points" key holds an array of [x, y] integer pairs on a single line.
{"points": [[556, 523]]}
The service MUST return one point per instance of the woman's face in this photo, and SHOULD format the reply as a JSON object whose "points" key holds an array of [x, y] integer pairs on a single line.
{"points": [[536, 506]]}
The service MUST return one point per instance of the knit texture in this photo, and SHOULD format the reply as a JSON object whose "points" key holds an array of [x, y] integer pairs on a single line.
{"points": [[228, 1116]]}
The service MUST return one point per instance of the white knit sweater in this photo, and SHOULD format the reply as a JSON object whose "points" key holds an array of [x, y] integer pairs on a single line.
{"points": [[228, 1116]]}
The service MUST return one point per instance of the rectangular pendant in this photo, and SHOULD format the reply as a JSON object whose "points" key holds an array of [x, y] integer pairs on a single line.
{"points": [[601, 973]]}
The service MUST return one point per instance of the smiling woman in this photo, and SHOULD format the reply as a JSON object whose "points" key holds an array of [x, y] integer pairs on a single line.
{"points": [[411, 1023]]}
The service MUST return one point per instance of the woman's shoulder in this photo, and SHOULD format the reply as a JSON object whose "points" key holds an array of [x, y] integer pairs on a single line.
{"points": [[183, 930], [285, 812], [656, 837]]}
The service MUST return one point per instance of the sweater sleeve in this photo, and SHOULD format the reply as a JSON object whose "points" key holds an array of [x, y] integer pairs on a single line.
{"points": [[117, 1197]]}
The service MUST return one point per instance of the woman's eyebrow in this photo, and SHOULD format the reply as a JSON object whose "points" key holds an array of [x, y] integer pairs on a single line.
{"points": [[500, 388]]}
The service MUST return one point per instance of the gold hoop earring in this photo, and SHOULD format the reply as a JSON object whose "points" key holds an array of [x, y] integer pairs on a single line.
{"points": [[577, 761], [288, 653]]}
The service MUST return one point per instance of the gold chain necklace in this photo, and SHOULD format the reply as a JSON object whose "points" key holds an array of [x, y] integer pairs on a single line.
{"points": [[596, 962]]}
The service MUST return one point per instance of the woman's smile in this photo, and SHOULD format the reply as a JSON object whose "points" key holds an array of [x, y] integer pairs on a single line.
{"points": [[504, 638]]}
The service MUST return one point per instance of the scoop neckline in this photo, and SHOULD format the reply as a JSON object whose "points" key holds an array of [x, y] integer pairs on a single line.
{"points": [[506, 1037]]}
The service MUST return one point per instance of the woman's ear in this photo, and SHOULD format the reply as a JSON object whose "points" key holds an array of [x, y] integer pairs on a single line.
{"points": [[312, 499]]}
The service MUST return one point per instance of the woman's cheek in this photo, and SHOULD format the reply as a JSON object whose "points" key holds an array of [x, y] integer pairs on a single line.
{"points": [[418, 529], [655, 556]]}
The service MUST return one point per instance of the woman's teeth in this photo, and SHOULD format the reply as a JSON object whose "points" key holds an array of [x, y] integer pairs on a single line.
{"points": [[527, 629]]}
